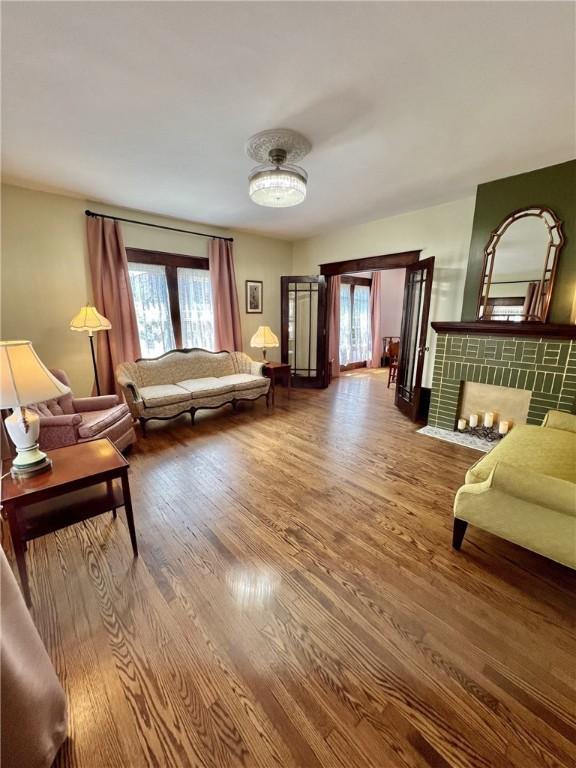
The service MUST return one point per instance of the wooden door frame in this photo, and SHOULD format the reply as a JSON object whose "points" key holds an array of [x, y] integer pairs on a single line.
{"points": [[371, 263], [412, 409], [399, 260], [322, 324]]}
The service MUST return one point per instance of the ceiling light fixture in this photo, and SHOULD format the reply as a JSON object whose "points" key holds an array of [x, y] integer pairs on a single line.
{"points": [[277, 183]]}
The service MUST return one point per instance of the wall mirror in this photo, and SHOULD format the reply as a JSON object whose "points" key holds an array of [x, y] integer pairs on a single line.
{"points": [[520, 262]]}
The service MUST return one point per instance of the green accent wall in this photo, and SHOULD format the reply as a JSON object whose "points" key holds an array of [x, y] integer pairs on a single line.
{"points": [[554, 187]]}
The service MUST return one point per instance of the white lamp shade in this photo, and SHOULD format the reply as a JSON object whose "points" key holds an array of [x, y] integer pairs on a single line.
{"points": [[24, 379], [89, 319], [264, 338]]}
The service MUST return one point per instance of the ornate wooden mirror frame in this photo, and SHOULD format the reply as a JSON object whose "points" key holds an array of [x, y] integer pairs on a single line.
{"points": [[546, 284]]}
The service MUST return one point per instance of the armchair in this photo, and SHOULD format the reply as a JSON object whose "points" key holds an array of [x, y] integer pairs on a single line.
{"points": [[70, 419], [524, 490]]}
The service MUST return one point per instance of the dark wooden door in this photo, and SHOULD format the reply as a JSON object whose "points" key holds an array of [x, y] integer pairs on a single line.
{"points": [[417, 292], [303, 332]]}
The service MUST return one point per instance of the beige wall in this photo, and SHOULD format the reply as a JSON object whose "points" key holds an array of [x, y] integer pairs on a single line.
{"points": [[442, 231], [44, 277], [392, 301], [44, 272]]}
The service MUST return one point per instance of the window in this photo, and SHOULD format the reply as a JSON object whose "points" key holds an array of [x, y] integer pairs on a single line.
{"points": [[507, 308], [152, 305], [195, 303], [355, 325], [173, 301]]}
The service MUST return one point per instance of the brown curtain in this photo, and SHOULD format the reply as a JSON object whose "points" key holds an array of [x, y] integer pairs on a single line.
{"points": [[33, 722], [334, 325], [113, 299], [530, 308], [227, 328], [375, 299]]}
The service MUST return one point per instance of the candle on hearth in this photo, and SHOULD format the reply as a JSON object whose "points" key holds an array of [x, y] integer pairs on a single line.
{"points": [[488, 419], [461, 425], [473, 420], [503, 427]]}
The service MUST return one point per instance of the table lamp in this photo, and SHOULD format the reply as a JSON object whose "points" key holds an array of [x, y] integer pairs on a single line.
{"points": [[24, 379], [90, 320], [264, 338]]}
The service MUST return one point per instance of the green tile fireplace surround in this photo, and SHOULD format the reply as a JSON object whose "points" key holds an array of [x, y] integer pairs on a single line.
{"points": [[541, 361]]}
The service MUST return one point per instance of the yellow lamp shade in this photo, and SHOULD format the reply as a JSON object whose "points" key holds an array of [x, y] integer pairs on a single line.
{"points": [[90, 320], [24, 379], [264, 338]]}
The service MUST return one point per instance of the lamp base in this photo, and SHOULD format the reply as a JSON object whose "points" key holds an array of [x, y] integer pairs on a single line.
{"points": [[23, 426], [28, 470]]}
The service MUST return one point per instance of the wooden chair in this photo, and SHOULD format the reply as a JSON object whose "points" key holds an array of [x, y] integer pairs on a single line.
{"points": [[392, 352]]}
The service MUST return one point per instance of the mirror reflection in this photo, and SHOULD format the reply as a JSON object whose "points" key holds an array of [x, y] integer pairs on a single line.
{"points": [[519, 269]]}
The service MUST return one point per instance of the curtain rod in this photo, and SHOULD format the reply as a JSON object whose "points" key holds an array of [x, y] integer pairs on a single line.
{"points": [[156, 226]]}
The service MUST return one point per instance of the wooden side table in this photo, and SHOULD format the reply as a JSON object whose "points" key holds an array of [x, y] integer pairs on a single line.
{"points": [[82, 483], [278, 372]]}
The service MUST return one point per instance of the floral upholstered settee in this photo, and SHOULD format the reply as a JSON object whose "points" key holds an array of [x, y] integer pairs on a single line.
{"points": [[69, 420], [188, 380]]}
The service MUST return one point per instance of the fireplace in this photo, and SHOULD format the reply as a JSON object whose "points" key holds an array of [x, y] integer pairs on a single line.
{"points": [[507, 404], [536, 363]]}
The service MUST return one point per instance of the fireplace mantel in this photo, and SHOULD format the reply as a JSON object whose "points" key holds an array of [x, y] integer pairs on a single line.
{"points": [[504, 328]]}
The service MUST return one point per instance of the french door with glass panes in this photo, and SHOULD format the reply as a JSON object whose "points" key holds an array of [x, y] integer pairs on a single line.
{"points": [[417, 293], [303, 330]]}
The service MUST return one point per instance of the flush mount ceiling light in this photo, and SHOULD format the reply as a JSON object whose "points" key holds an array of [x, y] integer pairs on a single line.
{"points": [[276, 182]]}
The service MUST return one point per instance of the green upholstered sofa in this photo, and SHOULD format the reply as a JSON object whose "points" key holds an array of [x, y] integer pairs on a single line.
{"points": [[524, 490]]}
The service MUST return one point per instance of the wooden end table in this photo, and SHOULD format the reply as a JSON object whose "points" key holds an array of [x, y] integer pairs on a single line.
{"points": [[277, 372], [80, 485]]}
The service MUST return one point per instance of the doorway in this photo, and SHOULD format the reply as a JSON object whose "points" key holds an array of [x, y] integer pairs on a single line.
{"points": [[355, 332], [348, 293]]}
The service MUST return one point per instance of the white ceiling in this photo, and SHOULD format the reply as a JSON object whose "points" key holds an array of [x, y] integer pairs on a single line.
{"points": [[407, 104]]}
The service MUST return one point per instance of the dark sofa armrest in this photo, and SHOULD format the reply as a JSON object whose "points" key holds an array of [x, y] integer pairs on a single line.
{"points": [[129, 386]]}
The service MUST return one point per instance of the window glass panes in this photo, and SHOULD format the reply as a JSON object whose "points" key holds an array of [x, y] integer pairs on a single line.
{"points": [[196, 314], [152, 305], [355, 324]]}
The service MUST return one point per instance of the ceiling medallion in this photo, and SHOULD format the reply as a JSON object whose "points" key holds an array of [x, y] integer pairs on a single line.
{"points": [[277, 182]]}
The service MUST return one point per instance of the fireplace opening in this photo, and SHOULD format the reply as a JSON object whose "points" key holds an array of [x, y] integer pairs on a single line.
{"points": [[496, 408]]}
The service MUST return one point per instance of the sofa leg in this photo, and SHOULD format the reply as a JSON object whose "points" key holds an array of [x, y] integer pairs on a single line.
{"points": [[192, 416], [143, 426], [234, 405], [458, 532]]}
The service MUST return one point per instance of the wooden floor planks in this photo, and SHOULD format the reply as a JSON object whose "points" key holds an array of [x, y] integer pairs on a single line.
{"points": [[296, 603]]}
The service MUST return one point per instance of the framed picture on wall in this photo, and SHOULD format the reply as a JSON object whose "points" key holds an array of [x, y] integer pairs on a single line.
{"points": [[254, 297]]}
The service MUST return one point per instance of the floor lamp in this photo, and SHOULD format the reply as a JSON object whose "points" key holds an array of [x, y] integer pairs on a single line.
{"points": [[89, 320]]}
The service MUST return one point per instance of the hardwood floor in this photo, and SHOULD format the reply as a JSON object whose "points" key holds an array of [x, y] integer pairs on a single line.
{"points": [[297, 603]]}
